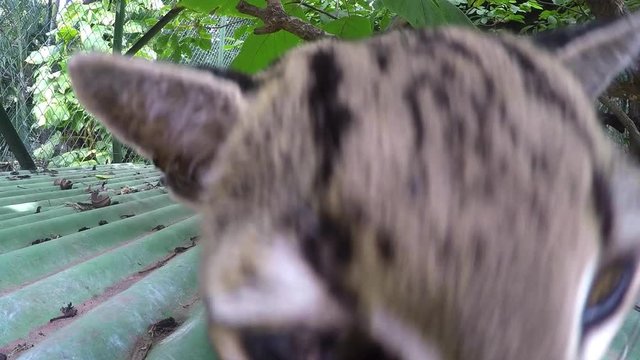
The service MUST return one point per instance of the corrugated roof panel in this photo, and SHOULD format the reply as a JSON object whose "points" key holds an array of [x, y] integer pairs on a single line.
{"points": [[122, 267]]}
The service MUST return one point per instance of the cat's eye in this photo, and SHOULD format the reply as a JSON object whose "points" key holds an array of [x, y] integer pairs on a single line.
{"points": [[608, 292]]}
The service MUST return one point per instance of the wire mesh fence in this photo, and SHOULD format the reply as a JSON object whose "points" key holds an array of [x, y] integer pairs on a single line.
{"points": [[37, 37]]}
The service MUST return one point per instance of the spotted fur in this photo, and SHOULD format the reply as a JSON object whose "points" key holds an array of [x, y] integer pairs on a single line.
{"points": [[441, 194]]}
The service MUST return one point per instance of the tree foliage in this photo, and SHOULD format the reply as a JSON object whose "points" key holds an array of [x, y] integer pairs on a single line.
{"points": [[76, 138], [268, 29]]}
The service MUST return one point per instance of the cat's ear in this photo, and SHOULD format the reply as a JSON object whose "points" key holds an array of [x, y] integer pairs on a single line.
{"points": [[597, 52], [174, 115]]}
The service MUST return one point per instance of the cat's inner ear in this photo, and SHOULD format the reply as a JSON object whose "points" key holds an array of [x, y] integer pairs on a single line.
{"points": [[596, 53], [174, 115]]}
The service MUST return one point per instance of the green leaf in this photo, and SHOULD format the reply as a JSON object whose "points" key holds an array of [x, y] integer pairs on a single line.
{"points": [[421, 13], [228, 8], [258, 51], [73, 13], [38, 112], [67, 33], [295, 9], [134, 27], [47, 149], [222, 7], [42, 55], [351, 27], [186, 51], [92, 39], [203, 6], [204, 43]]}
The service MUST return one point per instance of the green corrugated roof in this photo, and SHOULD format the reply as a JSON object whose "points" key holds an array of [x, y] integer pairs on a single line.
{"points": [[123, 267]]}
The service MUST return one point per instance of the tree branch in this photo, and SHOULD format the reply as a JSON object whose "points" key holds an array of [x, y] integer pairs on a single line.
{"points": [[155, 29], [275, 19], [318, 10], [627, 122]]}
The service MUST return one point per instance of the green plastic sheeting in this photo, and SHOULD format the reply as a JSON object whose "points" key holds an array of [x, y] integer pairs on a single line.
{"points": [[110, 330], [33, 262], [190, 341]]}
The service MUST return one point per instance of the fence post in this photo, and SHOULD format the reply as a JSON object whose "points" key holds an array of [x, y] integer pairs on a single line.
{"points": [[222, 37], [117, 49], [14, 142]]}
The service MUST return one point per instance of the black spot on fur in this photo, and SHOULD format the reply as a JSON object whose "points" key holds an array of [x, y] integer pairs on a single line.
{"points": [[540, 163], [446, 248], [416, 117], [483, 105], [327, 244], [503, 165], [414, 186], [418, 183], [489, 187], [331, 118], [447, 71], [537, 81], [384, 243], [441, 97], [456, 130], [331, 242], [478, 254], [539, 214], [603, 203], [502, 113], [382, 58], [245, 82], [481, 146], [489, 87], [461, 50], [513, 134], [412, 97]]}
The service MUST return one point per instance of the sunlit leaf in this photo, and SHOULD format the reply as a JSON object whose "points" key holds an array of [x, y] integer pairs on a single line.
{"points": [[221, 7], [134, 27], [47, 149], [351, 27], [421, 13], [67, 33], [258, 51], [92, 39], [295, 9], [203, 6], [41, 55]]}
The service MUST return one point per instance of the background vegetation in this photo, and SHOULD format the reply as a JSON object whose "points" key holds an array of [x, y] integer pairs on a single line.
{"points": [[37, 38]]}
